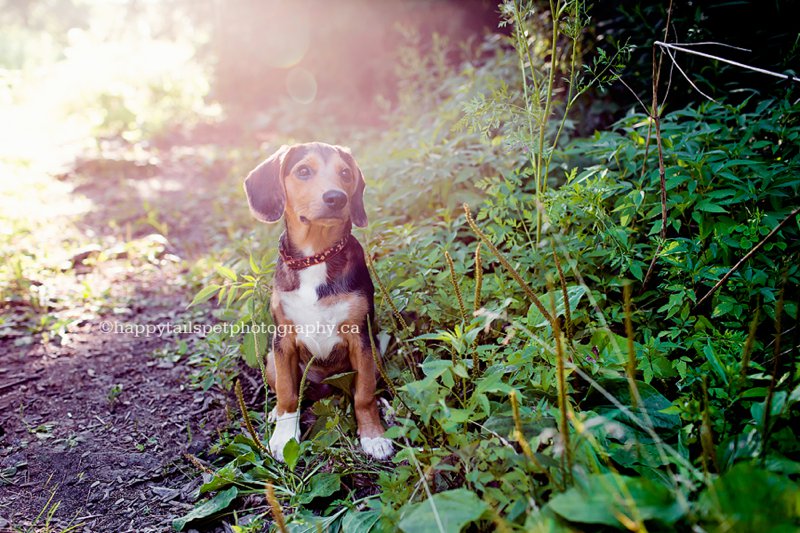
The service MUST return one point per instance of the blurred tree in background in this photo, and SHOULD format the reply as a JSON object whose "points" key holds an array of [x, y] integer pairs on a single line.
{"points": [[264, 52]]}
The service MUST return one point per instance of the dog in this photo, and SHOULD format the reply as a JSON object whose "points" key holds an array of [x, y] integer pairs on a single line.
{"points": [[322, 293]]}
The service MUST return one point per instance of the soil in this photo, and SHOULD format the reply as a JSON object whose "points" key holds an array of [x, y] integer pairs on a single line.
{"points": [[95, 425]]}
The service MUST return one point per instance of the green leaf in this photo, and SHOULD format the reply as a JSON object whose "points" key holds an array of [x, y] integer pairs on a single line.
{"points": [[253, 266], [361, 522], [321, 486], [777, 403], [225, 272], [653, 403], [492, 381], [343, 381], [574, 295], [205, 294], [251, 355], [305, 521], [747, 498], [231, 295], [709, 206], [601, 498], [222, 478], [237, 448], [218, 503], [794, 397], [453, 509], [291, 453], [636, 270], [715, 363]]}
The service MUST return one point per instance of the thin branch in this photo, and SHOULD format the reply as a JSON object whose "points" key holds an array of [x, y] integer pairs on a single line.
{"points": [[729, 61], [655, 116], [543, 173], [657, 76], [646, 110], [646, 146], [714, 43], [671, 68], [747, 256], [16, 382], [686, 76]]}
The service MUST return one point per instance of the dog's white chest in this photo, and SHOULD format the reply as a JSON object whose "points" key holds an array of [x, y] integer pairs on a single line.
{"points": [[316, 325]]}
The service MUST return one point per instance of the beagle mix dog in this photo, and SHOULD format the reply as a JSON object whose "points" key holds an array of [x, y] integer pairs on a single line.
{"points": [[322, 293]]}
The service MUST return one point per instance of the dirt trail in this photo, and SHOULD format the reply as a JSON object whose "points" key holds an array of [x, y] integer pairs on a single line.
{"points": [[93, 424]]}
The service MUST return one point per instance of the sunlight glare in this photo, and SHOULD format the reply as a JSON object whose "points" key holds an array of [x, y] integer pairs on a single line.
{"points": [[301, 85]]}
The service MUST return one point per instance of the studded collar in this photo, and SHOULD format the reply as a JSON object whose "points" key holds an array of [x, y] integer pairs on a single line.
{"points": [[299, 263]]}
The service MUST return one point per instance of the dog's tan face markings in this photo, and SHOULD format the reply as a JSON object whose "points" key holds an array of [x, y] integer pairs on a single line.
{"points": [[319, 188], [314, 185]]}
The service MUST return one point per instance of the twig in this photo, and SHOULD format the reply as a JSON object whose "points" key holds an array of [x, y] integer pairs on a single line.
{"points": [[428, 492], [196, 462], [775, 368], [715, 43], [565, 295], [456, 288], [655, 116], [619, 79], [646, 145], [630, 368], [747, 256], [511, 270], [478, 278], [17, 382], [543, 173], [400, 322], [671, 67], [686, 76], [246, 416], [476, 308], [748, 345], [662, 180], [275, 507], [519, 436], [379, 365], [563, 399], [707, 432], [728, 61]]}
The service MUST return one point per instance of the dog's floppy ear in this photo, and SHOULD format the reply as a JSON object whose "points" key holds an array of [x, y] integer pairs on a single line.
{"points": [[357, 213], [264, 189]]}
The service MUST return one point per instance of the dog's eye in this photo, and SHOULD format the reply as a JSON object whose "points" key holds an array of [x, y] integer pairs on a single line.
{"points": [[346, 174], [303, 172]]}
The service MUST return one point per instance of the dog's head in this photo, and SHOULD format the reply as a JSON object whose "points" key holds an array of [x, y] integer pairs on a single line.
{"points": [[316, 183]]}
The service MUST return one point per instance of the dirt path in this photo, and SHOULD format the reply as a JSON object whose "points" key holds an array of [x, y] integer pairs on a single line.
{"points": [[94, 424]]}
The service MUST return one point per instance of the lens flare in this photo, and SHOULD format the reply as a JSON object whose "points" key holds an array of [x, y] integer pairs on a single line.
{"points": [[301, 85]]}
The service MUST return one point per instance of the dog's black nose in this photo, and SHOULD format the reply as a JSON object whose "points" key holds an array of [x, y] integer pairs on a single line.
{"points": [[335, 199]]}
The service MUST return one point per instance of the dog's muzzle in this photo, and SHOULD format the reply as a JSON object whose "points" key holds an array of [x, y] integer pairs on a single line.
{"points": [[335, 199]]}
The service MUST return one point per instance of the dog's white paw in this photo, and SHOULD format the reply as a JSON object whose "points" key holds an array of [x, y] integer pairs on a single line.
{"points": [[272, 417], [377, 447], [287, 427]]}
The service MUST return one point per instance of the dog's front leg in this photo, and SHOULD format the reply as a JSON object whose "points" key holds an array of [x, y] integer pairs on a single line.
{"points": [[370, 428], [287, 414]]}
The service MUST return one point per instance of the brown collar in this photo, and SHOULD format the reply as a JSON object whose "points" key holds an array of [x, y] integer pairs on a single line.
{"points": [[299, 263]]}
